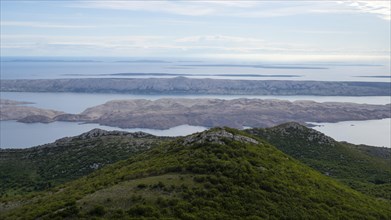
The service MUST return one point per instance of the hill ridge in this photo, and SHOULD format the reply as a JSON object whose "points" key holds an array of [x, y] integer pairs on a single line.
{"points": [[215, 178]]}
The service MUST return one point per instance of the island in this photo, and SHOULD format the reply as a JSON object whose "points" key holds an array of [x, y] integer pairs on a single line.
{"points": [[170, 112], [192, 86]]}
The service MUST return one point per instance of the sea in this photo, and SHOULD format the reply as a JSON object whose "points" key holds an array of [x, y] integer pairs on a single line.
{"points": [[358, 132]]}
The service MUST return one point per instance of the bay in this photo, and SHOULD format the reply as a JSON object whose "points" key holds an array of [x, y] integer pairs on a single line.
{"points": [[370, 132]]}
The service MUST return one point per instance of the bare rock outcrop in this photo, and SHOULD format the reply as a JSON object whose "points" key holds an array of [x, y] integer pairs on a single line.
{"points": [[216, 136]]}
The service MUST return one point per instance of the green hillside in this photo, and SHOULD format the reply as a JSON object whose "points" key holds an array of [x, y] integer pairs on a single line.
{"points": [[364, 168], [42, 167], [217, 174]]}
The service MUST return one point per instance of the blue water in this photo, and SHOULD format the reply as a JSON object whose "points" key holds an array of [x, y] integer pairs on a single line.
{"points": [[42, 68], [371, 132], [38, 133]]}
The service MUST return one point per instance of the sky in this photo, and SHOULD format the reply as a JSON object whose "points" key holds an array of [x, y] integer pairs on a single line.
{"points": [[296, 31]]}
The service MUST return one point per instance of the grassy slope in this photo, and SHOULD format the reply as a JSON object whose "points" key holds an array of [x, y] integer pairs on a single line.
{"points": [[38, 168], [218, 178], [364, 168]]}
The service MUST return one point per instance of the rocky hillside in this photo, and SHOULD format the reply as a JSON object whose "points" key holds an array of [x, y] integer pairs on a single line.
{"points": [[217, 174]]}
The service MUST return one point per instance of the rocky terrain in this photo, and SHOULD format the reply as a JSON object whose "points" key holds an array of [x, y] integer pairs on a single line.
{"points": [[167, 113], [183, 85], [14, 110]]}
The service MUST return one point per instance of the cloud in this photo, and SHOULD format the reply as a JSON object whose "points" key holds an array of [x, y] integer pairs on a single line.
{"points": [[41, 25], [198, 8], [34, 24], [278, 57], [177, 7], [218, 39], [206, 8], [380, 8], [43, 45], [245, 8], [250, 45], [198, 45]]}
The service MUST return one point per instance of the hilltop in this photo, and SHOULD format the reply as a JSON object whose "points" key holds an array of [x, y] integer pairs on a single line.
{"points": [[221, 173]]}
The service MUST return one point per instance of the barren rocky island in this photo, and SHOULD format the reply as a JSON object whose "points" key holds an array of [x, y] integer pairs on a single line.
{"points": [[167, 113], [183, 85]]}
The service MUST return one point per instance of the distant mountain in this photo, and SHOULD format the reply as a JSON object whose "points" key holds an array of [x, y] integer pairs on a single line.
{"points": [[216, 174], [364, 168], [191, 86]]}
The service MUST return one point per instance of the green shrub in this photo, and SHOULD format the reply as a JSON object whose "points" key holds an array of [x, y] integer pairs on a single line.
{"points": [[98, 211]]}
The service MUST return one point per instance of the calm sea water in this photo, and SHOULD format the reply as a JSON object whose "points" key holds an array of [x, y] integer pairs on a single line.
{"points": [[43, 68], [371, 132], [20, 135]]}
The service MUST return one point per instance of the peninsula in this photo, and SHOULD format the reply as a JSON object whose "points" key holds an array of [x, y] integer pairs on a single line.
{"points": [[15, 110]]}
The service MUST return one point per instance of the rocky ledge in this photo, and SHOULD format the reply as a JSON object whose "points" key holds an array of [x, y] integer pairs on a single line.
{"points": [[216, 136]]}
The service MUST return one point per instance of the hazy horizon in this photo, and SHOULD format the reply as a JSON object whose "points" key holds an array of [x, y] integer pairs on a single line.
{"points": [[266, 31]]}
